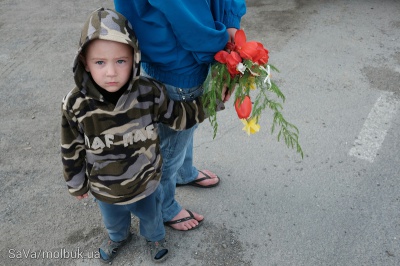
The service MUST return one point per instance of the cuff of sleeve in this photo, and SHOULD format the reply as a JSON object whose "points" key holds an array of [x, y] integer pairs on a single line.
{"points": [[79, 192], [232, 21]]}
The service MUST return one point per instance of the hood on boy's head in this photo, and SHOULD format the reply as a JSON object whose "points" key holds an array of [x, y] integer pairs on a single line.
{"points": [[105, 24]]}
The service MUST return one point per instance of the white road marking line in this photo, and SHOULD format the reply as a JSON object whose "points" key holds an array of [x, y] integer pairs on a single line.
{"points": [[374, 131]]}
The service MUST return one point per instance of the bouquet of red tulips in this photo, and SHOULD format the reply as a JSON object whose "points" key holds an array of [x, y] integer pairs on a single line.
{"points": [[242, 69]]}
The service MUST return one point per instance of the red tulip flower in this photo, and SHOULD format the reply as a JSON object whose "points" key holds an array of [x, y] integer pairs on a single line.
{"points": [[253, 51], [243, 109], [262, 56], [231, 60]]}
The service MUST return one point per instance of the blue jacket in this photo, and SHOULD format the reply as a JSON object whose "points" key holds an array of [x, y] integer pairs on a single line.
{"points": [[179, 38]]}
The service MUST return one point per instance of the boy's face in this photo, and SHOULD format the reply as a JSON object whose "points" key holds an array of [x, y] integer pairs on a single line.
{"points": [[109, 63]]}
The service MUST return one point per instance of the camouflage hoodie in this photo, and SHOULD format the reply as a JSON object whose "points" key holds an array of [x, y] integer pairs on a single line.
{"points": [[113, 150]]}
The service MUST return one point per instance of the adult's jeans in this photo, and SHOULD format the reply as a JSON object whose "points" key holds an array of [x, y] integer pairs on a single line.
{"points": [[177, 152], [117, 218]]}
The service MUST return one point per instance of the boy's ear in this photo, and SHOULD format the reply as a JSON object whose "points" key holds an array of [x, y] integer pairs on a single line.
{"points": [[83, 61]]}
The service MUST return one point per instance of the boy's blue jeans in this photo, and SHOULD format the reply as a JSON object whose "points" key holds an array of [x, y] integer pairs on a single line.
{"points": [[117, 218], [177, 153]]}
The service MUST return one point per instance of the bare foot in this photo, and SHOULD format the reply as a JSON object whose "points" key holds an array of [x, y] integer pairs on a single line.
{"points": [[207, 182], [186, 225]]}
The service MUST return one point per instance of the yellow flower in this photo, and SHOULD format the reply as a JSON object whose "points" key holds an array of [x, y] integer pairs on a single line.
{"points": [[251, 83], [250, 125]]}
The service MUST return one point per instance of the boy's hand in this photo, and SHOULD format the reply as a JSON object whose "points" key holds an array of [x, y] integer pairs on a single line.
{"points": [[84, 196], [226, 94]]}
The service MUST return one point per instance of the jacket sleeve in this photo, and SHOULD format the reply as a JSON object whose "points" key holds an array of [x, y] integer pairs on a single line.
{"points": [[201, 26], [233, 12], [73, 154], [179, 115]]}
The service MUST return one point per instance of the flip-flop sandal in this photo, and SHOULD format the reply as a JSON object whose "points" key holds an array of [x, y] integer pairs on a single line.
{"points": [[190, 217], [195, 183], [109, 249], [158, 250]]}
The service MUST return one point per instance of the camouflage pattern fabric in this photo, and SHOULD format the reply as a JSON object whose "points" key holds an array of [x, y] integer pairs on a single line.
{"points": [[113, 150]]}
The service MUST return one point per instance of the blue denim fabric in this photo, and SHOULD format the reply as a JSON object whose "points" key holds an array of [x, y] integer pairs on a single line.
{"points": [[117, 218], [177, 152], [174, 147]]}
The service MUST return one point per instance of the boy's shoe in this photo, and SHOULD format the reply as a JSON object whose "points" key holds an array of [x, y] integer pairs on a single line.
{"points": [[109, 249], [158, 250]]}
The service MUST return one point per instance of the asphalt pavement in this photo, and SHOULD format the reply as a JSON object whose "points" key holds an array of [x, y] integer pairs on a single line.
{"points": [[339, 65]]}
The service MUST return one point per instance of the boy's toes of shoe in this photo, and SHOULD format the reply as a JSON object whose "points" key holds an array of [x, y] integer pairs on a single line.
{"points": [[158, 250]]}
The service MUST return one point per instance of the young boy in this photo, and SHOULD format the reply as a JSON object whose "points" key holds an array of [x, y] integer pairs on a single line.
{"points": [[109, 134]]}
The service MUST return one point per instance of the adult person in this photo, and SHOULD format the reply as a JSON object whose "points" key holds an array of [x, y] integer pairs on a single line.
{"points": [[178, 42]]}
